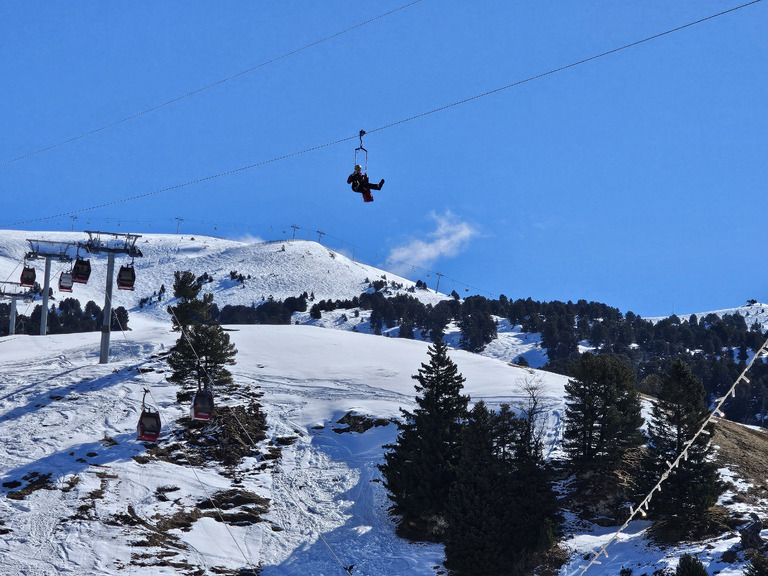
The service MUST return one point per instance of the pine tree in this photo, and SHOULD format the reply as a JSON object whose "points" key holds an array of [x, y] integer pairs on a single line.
{"points": [[190, 309], [693, 486], [203, 349], [501, 506], [602, 410], [690, 566], [758, 565], [200, 356], [482, 503], [420, 466]]}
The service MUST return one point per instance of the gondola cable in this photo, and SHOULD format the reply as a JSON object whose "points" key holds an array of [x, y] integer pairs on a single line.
{"points": [[347, 569], [208, 496]]}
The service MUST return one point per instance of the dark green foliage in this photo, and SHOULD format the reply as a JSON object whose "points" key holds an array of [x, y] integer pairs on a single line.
{"points": [[272, 313], [200, 355], [119, 319], [203, 350], [693, 486], [269, 312], [758, 565], [68, 318], [501, 506], [477, 326], [715, 347], [238, 314], [71, 317], [92, 310], [690, 566], [602, 410], [293, 304], [475, 481], [419, 468], [189, 309], [406, 329], [559, 337]]}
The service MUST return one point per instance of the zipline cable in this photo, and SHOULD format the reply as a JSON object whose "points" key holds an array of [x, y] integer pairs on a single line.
{"points": [[198, 181], [214, 84], [643, 506], [390, 125], [561, 68]]}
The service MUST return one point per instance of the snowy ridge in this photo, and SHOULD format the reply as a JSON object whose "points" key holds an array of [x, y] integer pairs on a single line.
{"points": [[753, 313], [272, 269]]}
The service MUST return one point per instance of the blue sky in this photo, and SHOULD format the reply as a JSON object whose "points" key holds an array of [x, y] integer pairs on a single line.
{"points": [[635, 179]]}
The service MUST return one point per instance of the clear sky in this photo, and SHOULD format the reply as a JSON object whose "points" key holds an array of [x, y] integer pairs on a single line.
{"points": [[636, 179]]}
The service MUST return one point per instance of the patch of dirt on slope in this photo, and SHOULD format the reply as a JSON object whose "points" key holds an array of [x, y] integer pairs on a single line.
{"points": [[359, 423], [35, 481], [229, 436], [744, 451], [232, 434]]}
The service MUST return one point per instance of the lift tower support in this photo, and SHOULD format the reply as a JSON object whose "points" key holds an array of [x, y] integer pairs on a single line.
{"points": [[14, 296], [110, 243], [48, 250]]}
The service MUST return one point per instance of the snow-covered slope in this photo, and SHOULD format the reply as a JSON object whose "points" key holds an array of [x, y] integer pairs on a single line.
{"points": [[753, 312], [271, 269], [79, 496], [66, 415], [103, 511]]}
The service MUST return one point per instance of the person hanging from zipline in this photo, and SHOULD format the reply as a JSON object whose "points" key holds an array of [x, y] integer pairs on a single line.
{"points": [[360, 182], [359, 178]]}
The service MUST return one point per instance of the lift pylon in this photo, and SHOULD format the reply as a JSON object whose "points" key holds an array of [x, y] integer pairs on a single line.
{"points": [[110, 243], [13, 296], [48, 250]]}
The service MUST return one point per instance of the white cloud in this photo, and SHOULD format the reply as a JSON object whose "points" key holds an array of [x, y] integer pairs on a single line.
{"points": [[450, 237]]}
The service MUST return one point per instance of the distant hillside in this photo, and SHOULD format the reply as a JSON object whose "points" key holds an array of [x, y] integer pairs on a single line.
{"points": [[342, 294], [276, 269]]}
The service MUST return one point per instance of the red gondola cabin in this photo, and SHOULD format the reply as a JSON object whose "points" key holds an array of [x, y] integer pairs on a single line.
{"points": [[126, 277], [81, 271], [202, 405], [148, 428], [65, 282], [28, 276]]}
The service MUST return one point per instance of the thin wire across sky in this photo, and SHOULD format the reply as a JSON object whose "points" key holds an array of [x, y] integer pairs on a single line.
{"points": [[348, 138]]}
